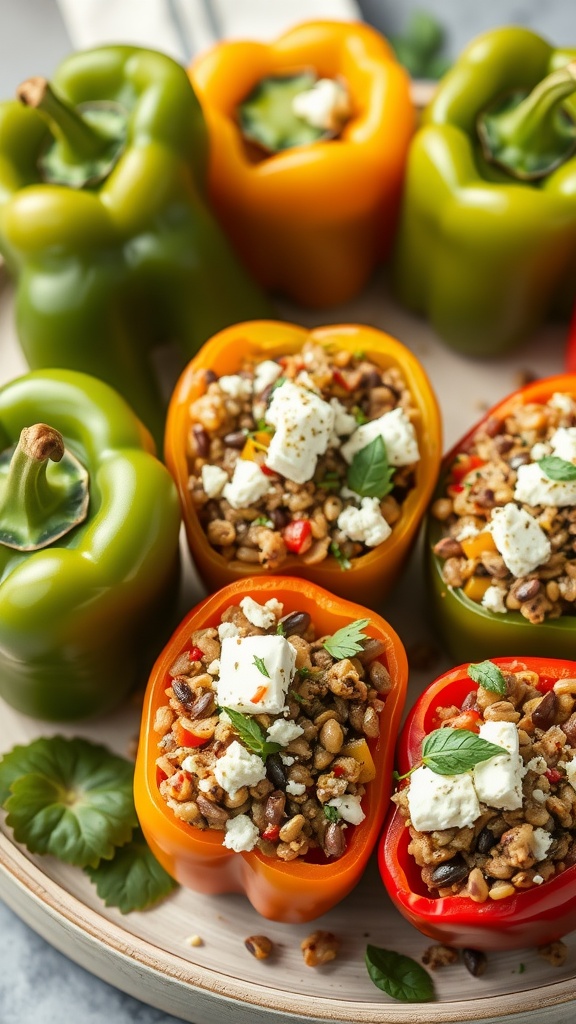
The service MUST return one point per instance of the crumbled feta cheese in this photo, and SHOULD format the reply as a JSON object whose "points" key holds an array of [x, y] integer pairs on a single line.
{"points": [[348, 806], [534, 487], [493, 600], [275, 606], [237, 768], [265, 374], [306, 381], [304, 424], [241, 834], [344, 422], [283, 732], [236, 386], [287, 759], [258, 614], [441, 801], [227, 629], [467, 532], [563, 443], [365, 523], [396, 431], [213, 480], [242, 686], [537, 764], [537, 879], [519, 539], [498, 781], [247, 485], [570, 769], [541, 843], [539, 451], [562, 402], [204, 785], [295, 788], [214, 667], [326, 105], [539, 795]]}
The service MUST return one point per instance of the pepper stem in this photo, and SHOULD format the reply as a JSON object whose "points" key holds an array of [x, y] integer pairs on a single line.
{"points": [[38, 507], [532, 136]]}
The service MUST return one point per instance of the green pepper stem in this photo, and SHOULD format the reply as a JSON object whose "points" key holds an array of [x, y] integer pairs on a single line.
{"points": [[80, 140]]}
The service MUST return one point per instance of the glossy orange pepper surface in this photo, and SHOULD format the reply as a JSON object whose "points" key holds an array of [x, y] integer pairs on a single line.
{"points": [[292, 891], [311, 221], [371, 574]]}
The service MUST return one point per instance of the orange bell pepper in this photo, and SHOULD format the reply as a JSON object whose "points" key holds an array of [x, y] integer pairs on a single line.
{"points": [[311, 221], [372, 573], [293, 891]]}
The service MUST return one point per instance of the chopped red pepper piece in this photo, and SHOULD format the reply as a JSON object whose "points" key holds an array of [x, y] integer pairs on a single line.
{"points": [[465, 464], [553, 775], [468, 719], [271, 832], [196, 654], [338, 771], [185, 738], [296, 534]]}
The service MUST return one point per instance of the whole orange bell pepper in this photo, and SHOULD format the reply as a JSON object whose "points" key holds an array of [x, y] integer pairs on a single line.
{"points": [[372, 573], [291, 891], [313, 220]]}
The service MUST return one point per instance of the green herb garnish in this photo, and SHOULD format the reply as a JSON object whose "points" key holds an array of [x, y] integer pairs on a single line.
{"points": [[262, 428], [336, 551], [557, 469], [277, 384], [262, 521], [453, 751], [359, 416], [347, 642], [280, 631], [399, 976], [297, 697], [308, 673], [252, 734], [332, 813], [488, 675], [261, 666], [330, 481], [370, 474], [133, 879]]}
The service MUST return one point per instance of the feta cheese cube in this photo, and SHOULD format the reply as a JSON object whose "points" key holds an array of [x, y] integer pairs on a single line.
{"points": [[214, 667], [563, 402], [396, 431], [237, 768], [349, 808], [235, 386], [365, 524], [306, 381], [570, 769], [498, 781], [247, 485], [344, 422], [541, 843], [326, 105], [242, 686], [227, 629], [265, 374], [304, 424], [563, 443], [493, 600], [241, 834], [539, 451], [213, 480], [441, 801], [519, 539], [283, 732], [534, 487], [295, 788], [258, 614]]}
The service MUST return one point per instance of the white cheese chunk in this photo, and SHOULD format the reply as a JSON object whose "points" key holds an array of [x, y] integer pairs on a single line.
{"points": [[247, 485], [396, 431], [539, 451], [538, 879], [241, 834], [227, 629], [214, 667], [537, 764], [306, 381], [295, 788], [541, 843], [258, 614], [519, 539], [237, 768], [570, 769], [498, 781], [242, 686], [563, 402], [348, 806], [265, 374], [441, 801], [213, 480], [283, 732], [326, 105], [493, 600], [365, 524], [287, 759], [534, 487], [539, 795], [235, 386], [304, 424], [467, 532], [344, 422], [563, 443]]}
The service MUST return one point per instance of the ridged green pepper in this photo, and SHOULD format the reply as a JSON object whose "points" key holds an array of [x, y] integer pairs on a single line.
{"points": [[83, 587], [487, 239], [103, 222]]}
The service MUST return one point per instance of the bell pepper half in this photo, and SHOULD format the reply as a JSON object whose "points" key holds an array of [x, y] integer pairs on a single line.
{"points": [[292, 891], [487, 236], [571, 347], [467, 628], [532, 917], [374, 572], [89, 525], [107, 231], [309, 221]]}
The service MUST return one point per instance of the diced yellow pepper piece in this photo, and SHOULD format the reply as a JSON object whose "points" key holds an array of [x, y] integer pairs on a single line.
{"points": [[255, 444], [360, 751], [476, 587], [474, 546]]}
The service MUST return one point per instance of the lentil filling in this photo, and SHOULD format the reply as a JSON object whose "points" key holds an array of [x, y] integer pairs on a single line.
{"points": [[298, 796]]}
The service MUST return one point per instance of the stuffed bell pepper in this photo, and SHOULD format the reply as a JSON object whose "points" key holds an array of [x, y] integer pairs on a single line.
{"points": [[89, 525], [487, 239], [310, 453], [501, 538], [104, 224], [480, 851], [266, 748], [308, 142]]}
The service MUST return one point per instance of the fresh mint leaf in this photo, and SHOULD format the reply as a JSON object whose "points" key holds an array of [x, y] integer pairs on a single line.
{"points": [[370, 474], [488, 675], [133, 879], [453, 751], [336, 551], [399, 976], [347, 642], [251, 733], [557, 469], [332, 813], [261, 666]]}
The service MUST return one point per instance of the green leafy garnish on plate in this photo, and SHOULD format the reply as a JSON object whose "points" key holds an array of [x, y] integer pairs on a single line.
{"points": [[133, 879], [399, 976], [347, 642]]}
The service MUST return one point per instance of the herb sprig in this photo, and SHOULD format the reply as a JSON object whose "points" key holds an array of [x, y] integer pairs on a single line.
{"points": [[488, 675], [337, 553], [347, 641], [252, 734], [370, 474], [454, 751], [261, 666]]}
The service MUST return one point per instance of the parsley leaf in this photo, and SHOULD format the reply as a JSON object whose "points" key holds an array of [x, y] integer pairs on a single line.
{"points": [[133, 880], [369, 474], [399, 976], [453, 751], [261, 666], [556, 468], [336, 551], [251, 733], [332, 813], [488, 675], [347, 642]]}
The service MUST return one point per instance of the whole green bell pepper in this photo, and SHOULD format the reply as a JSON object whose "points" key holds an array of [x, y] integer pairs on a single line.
{"points": [[88, 549], [104, 223], [487, 239]]}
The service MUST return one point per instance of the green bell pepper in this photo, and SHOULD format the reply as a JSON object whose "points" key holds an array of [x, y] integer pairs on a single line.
{"points": [[487, 239], [104, 223], [88, 546]]}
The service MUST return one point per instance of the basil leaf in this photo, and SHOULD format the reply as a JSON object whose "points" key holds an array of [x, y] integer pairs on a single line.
{"points": [[347, 642], [251, 733], [133, 880], [488, 675], [399, 976], [453, 751], [260, 665], [556, 468], [369, 474]]}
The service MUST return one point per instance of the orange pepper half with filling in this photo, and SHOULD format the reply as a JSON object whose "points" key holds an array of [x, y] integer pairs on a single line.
{"points": [[297, 890], [372, 573], [313, 220]]}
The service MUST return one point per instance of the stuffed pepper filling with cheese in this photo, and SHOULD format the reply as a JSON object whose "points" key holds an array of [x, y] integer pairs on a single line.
{"points": [[310, 454], [266, 732]]}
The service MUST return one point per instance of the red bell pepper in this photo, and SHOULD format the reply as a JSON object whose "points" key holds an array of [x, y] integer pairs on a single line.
{"points": [[296, 534], [532, 917]]}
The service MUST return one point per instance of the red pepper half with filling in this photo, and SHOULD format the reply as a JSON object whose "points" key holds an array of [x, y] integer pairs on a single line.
{"points": [[531, 917]]}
